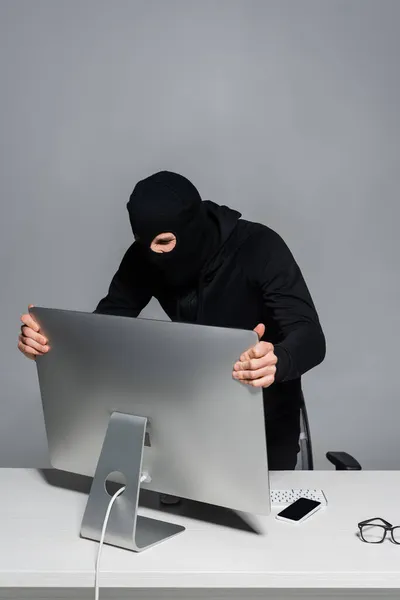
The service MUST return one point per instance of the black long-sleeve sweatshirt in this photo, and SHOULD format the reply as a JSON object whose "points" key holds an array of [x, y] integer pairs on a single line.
{"points": [[252, 279]]}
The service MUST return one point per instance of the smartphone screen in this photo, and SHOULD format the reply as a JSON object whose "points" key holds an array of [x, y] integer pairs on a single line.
{"points": [[300, 508]]}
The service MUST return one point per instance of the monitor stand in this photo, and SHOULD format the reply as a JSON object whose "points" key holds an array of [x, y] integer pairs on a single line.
{"points": [[122, 451]]}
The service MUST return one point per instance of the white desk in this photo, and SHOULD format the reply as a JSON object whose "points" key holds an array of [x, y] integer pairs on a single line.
{"points": [[42, 555]]}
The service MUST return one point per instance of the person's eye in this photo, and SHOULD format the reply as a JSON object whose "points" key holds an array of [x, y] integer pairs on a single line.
{"points": [[164, 242]]}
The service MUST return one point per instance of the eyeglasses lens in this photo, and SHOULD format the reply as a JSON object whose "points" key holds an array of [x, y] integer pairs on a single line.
{"points": [[373, 534]]}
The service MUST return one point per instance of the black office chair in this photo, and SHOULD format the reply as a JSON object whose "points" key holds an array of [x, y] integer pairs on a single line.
{"points": [[341, 460]]}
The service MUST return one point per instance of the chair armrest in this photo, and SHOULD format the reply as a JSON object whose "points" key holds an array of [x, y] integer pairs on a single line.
{"points": [[343, 461]]}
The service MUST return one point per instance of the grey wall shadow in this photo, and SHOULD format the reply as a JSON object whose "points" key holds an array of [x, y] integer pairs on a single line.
{"points": [[198, 511]]}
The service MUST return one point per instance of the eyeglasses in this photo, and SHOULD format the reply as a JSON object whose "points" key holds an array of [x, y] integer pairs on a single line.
{"points": [[373, 531]]}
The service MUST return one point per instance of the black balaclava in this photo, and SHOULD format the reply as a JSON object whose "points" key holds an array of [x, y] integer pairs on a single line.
{"points": [[168, 202]]}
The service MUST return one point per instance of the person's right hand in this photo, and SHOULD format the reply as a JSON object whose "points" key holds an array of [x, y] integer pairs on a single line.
{"points": [[30, 341]]}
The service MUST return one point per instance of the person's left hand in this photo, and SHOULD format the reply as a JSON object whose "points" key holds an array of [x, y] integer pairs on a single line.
{"points": [[257, 366]]}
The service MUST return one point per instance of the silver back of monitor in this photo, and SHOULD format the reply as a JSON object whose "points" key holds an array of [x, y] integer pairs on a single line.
{"points": [[206, 435]]}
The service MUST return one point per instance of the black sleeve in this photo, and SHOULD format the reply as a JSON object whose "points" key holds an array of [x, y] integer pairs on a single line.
{"points": [[287, 299], [129, 291]]}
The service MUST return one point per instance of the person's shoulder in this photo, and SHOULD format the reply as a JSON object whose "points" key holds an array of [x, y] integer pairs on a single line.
{"points": [[258, 236], [263, 250]]}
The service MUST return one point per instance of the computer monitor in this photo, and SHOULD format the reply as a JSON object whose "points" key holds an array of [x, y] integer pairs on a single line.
{"points": [[152, 400]]}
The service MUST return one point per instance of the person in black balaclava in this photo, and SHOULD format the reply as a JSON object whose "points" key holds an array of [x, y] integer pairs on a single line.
{"points": [[205, 264]]}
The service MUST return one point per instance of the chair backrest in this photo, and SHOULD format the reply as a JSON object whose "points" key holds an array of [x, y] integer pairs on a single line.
{"points": [[341, 460], [305, 462]]}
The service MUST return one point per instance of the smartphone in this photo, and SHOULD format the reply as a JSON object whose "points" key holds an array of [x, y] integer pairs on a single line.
{"points": [[299, 511]]}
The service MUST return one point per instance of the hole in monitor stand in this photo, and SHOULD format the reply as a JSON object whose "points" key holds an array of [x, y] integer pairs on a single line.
{"points": [[114, 481]]}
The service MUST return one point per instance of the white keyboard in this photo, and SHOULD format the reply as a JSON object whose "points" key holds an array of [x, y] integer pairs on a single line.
{"points": [[286, 497]]}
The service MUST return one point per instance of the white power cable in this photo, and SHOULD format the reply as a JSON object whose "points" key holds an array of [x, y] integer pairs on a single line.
{"points": [[103, 533]]}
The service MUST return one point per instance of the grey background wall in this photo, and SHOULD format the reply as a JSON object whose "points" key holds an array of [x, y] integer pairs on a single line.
{"points": [[287, 110]]}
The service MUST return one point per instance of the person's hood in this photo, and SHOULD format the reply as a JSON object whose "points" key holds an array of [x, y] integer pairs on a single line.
{"points": [[226, 220], [225, 217]]}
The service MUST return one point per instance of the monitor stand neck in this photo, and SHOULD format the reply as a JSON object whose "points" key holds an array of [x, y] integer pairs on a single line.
{"points": [[122, 451]]}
